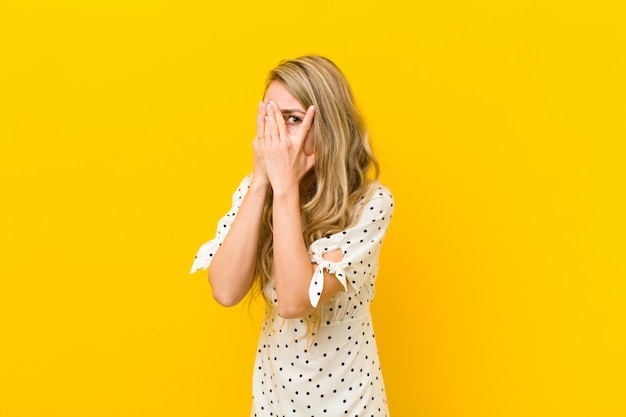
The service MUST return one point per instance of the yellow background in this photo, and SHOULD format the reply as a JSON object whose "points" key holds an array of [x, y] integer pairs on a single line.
{"points": [[126, 125]]}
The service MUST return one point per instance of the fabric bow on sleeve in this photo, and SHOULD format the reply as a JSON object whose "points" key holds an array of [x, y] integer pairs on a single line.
{"points": [[317, 282]]}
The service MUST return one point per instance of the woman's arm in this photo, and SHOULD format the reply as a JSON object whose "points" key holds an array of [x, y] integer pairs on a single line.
{"points": [[232, 269], [286, 164], [293, 269]]}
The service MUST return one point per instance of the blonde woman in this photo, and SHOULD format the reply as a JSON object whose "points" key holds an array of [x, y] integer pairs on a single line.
{"points": [[305, 229]]}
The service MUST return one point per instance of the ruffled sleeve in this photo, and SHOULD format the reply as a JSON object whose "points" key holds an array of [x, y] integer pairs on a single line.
{"points": [[207, 251], [360, 245]]}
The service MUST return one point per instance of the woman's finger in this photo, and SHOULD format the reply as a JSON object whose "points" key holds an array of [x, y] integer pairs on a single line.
{"points": [[260, 121], [267, 124], [280, 121], [307, 122], [273, 121], [305, 126]]}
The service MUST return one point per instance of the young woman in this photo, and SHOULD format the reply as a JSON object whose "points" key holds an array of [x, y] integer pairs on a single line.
{"points": [[307, 226]]}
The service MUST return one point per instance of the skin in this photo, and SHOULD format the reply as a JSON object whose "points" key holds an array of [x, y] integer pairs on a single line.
{"points": [[283, 154]]}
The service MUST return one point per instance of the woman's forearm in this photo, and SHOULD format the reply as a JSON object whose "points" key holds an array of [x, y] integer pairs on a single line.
{"points": [[232, 269], [292, 267]]}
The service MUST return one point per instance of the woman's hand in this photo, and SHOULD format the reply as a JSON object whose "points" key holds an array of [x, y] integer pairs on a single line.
{"points": [[260, 174], [283, 152]]}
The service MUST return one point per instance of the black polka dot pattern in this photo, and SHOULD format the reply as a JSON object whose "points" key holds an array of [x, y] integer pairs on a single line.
{"points": [[360, 245], [337, 373]]}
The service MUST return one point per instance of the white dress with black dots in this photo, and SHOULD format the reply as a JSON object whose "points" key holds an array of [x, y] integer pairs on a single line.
{"points": [[337, 373]]}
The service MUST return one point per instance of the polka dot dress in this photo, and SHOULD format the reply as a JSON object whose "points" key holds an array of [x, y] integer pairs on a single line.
{"points": [[337, 371]]}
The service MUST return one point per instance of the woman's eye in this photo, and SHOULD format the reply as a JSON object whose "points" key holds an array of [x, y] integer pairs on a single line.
{"points": [[293, 120]]}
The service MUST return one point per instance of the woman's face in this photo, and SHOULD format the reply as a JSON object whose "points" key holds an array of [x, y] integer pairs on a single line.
{"points": [[292, 110]]}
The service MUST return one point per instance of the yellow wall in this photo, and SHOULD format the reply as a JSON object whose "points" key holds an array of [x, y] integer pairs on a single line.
{"points": [[126, 125]]}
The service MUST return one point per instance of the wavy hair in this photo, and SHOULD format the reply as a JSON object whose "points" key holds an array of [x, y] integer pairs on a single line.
{"points": [[344, 168]]}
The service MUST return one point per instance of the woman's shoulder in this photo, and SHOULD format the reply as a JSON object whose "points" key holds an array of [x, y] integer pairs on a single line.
{"points": [[376, 203], [377, 193], [244, 184]]}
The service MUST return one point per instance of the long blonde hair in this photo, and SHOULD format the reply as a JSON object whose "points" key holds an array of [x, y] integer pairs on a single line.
{"points": [[344, 162]]}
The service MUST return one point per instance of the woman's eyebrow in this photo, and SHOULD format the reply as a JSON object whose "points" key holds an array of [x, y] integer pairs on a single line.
{"points": [[289, 111]]}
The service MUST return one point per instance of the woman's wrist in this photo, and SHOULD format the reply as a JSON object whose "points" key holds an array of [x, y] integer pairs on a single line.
{"points": [[259, 183], [285, 190]]}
